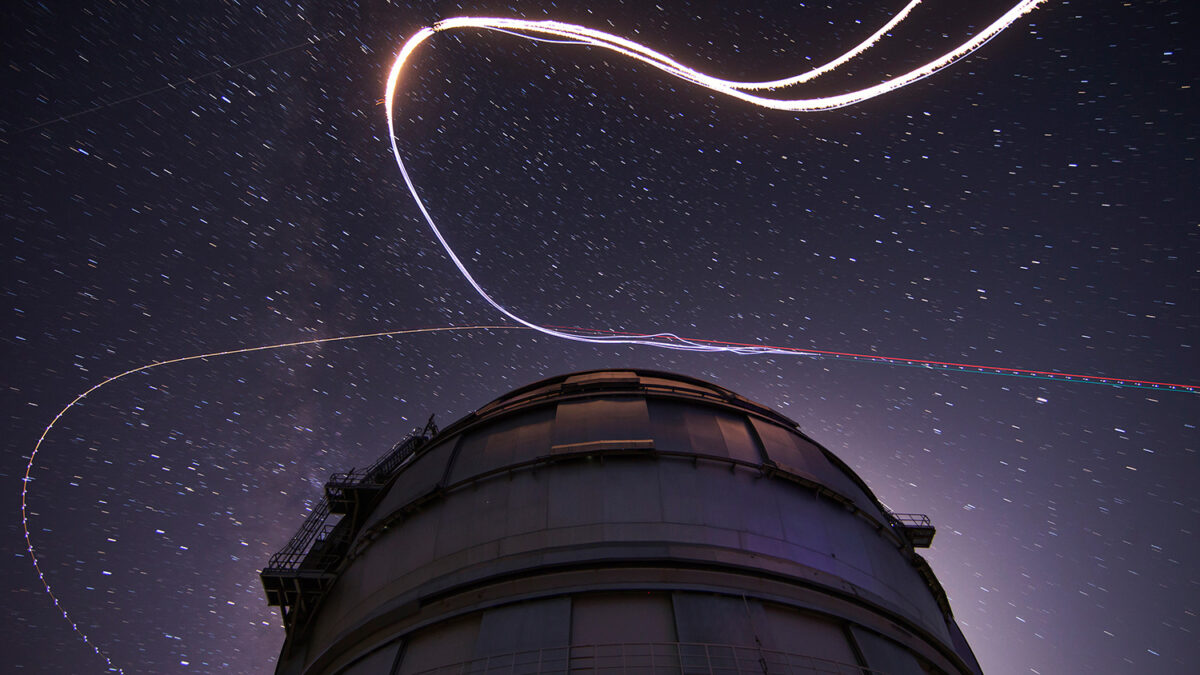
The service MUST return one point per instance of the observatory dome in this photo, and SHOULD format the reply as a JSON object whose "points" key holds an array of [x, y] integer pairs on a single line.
{"points": [[616, 521]]}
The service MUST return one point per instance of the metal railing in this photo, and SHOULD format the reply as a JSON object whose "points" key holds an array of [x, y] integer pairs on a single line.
{"points": [[312, 533], [387, 465], [913, 519], [651, 658], [312, 547], [917, 528]]}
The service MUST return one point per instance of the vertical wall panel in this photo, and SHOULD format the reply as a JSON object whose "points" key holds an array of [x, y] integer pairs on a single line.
{"points": [[514, 439], [668, 428], [714, 619], [803, 514], [807, 460], [683, 496], [417, 478], [737, 437], [524, 626], [601, 419], [883, 654], [440, 645], [704, 432], [576, 496], [391, 560], [527, 503], [846, 538], [631, 491], [780, 445], [801, 633], [470, 459], [378, 662], [473, 516], [622, 617]]}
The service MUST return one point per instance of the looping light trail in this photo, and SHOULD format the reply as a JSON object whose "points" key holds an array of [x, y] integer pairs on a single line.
{"points": [[556, 30], [680, 70]]}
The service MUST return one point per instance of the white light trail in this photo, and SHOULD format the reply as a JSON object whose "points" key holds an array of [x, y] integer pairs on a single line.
{"points": [[817, 72], [28, 479], [572, 33], [558, 32]]}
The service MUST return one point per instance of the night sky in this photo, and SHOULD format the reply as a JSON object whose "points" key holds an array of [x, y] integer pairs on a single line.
{"points": [[1033, 206]]}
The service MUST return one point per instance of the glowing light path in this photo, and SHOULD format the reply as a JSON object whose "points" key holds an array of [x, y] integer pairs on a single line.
{"points": [[156, 364], [581, 334], [558, 32], [555, 31], [952, 366]]}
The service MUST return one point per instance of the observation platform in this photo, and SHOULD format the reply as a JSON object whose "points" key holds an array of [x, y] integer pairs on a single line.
{"points": [[916, 527]]}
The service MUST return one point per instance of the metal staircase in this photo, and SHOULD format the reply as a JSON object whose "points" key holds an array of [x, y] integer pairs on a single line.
{"points": [[299, 574]]}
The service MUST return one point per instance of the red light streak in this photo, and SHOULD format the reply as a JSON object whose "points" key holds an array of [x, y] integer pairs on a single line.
{"points": [[927, 363]]}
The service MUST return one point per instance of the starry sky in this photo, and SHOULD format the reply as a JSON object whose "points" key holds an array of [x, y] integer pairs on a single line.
{"points": [[189, 178]]}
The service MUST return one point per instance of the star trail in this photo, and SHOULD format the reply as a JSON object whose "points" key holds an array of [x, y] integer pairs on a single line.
{"points": [[979, 289]]}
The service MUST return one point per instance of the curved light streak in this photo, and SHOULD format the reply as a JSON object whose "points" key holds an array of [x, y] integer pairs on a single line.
{"points": [[542, 30], [735, 84], [656, 59], [821, 70], [951, 366], [575, 34], [156, 364], [599, 335]]}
